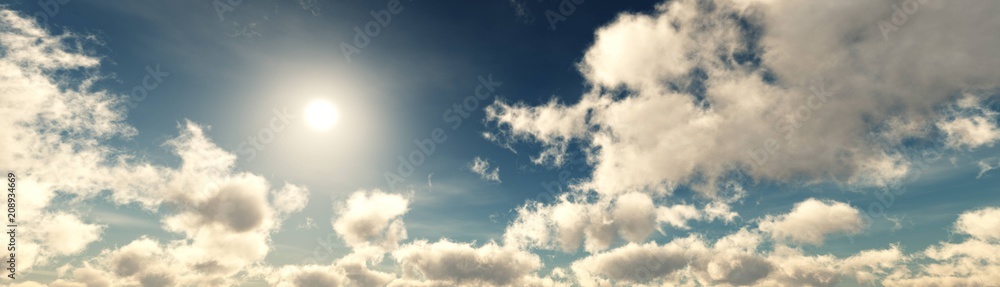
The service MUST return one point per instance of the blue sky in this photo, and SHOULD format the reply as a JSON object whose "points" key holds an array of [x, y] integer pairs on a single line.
{"points": [[574, 144]]}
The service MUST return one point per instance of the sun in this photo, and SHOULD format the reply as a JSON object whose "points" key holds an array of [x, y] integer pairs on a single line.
{"points": [[321, 115]]}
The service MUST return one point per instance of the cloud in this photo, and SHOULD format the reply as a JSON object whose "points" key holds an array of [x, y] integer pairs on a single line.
{"points": [[635, 263], [812, 220], [575, 220], [482, 168], [225, 220], [701, 95], [697, 91], [449, 263], [677, 215], [372, 219], [90, 277], [982, 224], [733, 260], [52, 128], [523, 12], [290, 199], [65, 234], [794, 268], [309, 276], [972, 262], [240, 205], [720, 210], [986, 165], [971, 126], [571, 222], [59, 126]]}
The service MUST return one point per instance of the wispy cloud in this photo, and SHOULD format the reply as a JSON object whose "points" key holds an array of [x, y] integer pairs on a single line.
{"points": [[482, 167]]}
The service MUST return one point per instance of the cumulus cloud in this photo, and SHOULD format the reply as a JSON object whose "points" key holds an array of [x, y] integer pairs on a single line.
{"points": [[812, 220], [448, 263], [309, 276], [572, 222], [352, 270], [290, 199], [58, 129], [481, 167], [64, 234], [734, 260], [372, 218], [224, 219], [971, 125], [677, 215], [576, 220], [635, 263], [972, 262], [775, 90], [52, 125], [983, 224], [695, 92]]}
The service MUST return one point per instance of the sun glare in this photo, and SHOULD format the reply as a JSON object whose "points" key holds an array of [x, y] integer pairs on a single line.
{"points": [[321, 115]]}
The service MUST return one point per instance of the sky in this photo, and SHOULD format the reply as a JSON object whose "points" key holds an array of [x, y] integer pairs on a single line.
{"points": [[501, 142]]}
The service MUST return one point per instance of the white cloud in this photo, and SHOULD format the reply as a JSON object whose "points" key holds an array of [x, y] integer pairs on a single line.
{"points": [[552, 124], [972, 262], [572, 221], [372, 219], [351, 270], [64, 234], [448, 263], [635, 215], [812, 220], [52, 126], [677, 215], [309, 276], [971, 126], [575, 220], [986, 165], [58, 127], [779, 90], [482, 168], [238, 205], [225, 220], [647, 126], [718, 210], [983, 224], [794, 268], [636, 263], [734, 260], [291, 198]]}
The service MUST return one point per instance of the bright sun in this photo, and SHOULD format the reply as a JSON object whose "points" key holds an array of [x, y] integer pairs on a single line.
{"points": [[321, 115]]}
